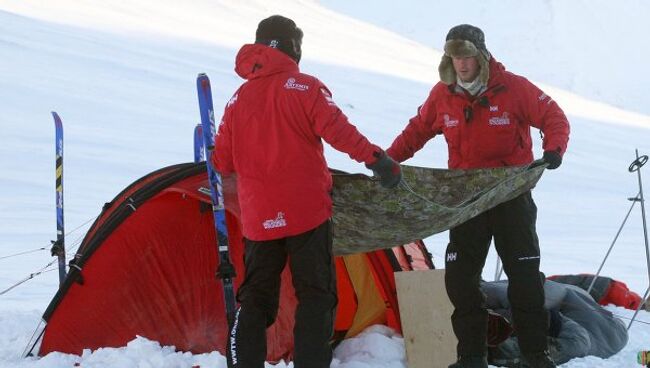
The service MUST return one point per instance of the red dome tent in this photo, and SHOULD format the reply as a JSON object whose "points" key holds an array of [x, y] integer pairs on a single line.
{"points": [[147, 267]]}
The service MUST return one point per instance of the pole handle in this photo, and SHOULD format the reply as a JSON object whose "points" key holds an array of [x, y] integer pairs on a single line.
{"points": [[638, 163]]}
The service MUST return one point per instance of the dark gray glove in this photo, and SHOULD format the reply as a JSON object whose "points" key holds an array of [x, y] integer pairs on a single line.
{"points": [[553, 159], [387, 169]]}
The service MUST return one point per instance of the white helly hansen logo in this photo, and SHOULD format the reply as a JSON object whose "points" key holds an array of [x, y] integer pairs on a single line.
{"points": [[291, 84], [452, 256], [279, 221], [494, 108]]}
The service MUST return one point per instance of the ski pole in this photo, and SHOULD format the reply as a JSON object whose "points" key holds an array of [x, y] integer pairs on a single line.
{"points": [[636, 166], [634, 200]]}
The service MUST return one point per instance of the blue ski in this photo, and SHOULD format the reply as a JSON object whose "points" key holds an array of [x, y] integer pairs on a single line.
{"points": [[58, 246], [199, 154], [225, 271]]}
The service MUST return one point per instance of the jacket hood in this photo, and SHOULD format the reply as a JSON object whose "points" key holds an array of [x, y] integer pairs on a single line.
{"points": [[256, 60], [496, 71]]}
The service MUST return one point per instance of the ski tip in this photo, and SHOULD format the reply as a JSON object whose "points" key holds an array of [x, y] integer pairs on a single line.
{"points": [[202, 81], [57, 119]]}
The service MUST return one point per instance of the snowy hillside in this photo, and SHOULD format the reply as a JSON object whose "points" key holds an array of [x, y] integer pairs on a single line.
{"points": [[122, 74], [590, 47]]}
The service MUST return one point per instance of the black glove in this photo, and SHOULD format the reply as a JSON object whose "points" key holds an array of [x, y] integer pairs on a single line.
{"points": [[553, 159], [388, 170]]}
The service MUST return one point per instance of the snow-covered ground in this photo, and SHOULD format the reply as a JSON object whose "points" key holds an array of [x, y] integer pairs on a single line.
{"points": [[590, 47], [122, 77]]}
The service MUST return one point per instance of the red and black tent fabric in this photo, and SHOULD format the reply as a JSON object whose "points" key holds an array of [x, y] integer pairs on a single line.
{"points": [[147, 268]]}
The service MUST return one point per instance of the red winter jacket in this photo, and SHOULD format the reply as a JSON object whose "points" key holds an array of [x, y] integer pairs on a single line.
{"points": [[491, 130], [270, 136]]}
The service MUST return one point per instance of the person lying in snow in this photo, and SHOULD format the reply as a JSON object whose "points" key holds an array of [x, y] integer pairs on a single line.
{"points": [[579, 325]]}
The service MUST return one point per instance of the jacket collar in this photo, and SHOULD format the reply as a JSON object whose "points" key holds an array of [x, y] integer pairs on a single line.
{"points": [[255, 61], [494, 85]]}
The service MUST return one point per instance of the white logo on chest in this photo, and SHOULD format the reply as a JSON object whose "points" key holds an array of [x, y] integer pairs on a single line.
{"points": [[500, 120], [449, 122]]}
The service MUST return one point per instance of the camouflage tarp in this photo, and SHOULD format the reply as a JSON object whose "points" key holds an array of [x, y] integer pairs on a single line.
{"points": [[368, 217]]}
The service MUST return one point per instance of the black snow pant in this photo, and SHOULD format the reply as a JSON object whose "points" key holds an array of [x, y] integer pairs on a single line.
{"points": [[314, 279], [512, 225]]}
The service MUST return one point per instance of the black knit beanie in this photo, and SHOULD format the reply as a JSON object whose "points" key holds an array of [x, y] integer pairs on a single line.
{"points": [[280, 33]]}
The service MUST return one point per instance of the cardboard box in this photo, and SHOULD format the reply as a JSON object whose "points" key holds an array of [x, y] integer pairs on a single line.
{"points": [[425, 311]]}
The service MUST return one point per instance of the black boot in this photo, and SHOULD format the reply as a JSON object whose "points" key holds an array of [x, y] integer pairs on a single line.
{"points": [[471, 362], [539, 360]]}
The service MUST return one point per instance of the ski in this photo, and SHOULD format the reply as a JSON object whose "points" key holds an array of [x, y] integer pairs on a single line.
{"points": [[225, 271], [58, 246], [199, 154]]}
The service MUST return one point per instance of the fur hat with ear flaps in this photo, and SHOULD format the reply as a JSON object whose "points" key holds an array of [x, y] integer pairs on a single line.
{"points": [[464, 41]]}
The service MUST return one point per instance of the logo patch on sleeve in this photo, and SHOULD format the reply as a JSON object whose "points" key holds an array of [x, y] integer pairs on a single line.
{"points": [[328, 96], [544, 97], [232, 100]]}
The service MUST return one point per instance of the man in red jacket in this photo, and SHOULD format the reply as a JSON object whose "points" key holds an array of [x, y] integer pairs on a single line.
{"points": [[271, 137], [485, 114]]}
